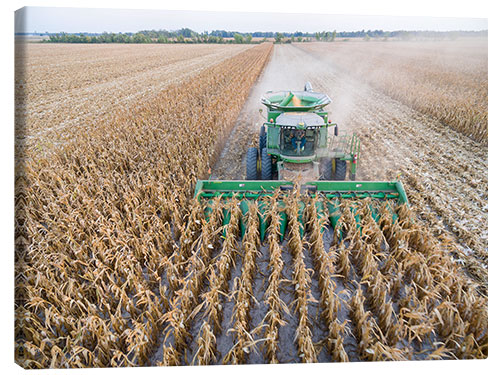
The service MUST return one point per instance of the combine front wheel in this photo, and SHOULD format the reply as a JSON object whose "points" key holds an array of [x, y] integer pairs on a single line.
{"points": [[325, 169], [340, 170], [252, 158], [266, 165]]}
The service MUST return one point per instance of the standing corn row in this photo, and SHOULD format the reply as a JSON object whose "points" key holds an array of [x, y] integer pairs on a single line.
{"points": [[301, 280], [460, 315], [179, 317], [378, 286], [439, 299], [363, 322], [244, 290], [363, 325], [274, 318], [323, 262], [219, 274]]}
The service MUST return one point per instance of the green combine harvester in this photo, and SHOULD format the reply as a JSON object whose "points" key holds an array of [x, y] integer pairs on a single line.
{"points": [[297, 150], [297, 143]]}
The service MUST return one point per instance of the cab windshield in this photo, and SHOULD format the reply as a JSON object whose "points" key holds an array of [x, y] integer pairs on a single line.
{"points": [[298, 142]]}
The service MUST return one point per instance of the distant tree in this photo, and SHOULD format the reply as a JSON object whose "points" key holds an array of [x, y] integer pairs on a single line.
{"points": [[299, 39], [180, 39], [248, 38], [238, 38], [186, 33], [278, 37], [140, 38]]}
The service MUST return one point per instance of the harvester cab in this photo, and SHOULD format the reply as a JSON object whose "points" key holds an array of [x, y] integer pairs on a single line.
{"points": [[299, 142]]}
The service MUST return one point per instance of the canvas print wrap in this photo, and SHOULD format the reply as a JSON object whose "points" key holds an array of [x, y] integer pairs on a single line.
{"points": [[191, 197]]}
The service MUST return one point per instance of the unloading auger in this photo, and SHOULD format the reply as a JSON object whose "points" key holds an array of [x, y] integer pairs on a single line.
{"points": [[297, 154]]}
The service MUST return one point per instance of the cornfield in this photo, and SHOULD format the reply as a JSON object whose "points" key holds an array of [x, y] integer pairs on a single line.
{"points": [[124, 184], [117, 264]]}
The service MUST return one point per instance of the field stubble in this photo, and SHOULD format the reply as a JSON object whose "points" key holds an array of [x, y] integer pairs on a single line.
{"points": [[62, 87]]}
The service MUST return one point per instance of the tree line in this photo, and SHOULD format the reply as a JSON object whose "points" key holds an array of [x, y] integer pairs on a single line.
{"points": [[186, 35]]}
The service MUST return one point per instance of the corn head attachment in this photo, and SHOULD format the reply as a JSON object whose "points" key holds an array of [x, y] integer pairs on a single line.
{"points": [[326, 195]]}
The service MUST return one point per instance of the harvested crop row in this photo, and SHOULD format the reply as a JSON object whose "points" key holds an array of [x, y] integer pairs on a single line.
{"points": [[444, 172]]}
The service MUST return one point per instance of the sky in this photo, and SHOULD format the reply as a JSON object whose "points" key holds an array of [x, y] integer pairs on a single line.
{"points": [[74, 20]]}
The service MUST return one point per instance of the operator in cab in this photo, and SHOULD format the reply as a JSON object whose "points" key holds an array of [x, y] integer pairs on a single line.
{"points": [[299, 140]]}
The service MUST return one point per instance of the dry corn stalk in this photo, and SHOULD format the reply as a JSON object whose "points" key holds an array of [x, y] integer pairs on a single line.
{"points": [[244, 291], [324, 264], [301, 281], [276, 307]]}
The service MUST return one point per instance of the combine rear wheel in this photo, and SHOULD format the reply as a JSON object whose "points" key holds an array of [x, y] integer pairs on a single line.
{"points": [[252, 159], [262, 138], [325, 169], [266, 165], [340, 170]]}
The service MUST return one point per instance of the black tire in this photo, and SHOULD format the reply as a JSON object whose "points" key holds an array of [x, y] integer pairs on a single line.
{"points": [[262, 138], [266, 165], [325, 169], [252, 158], [340, 170]]}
